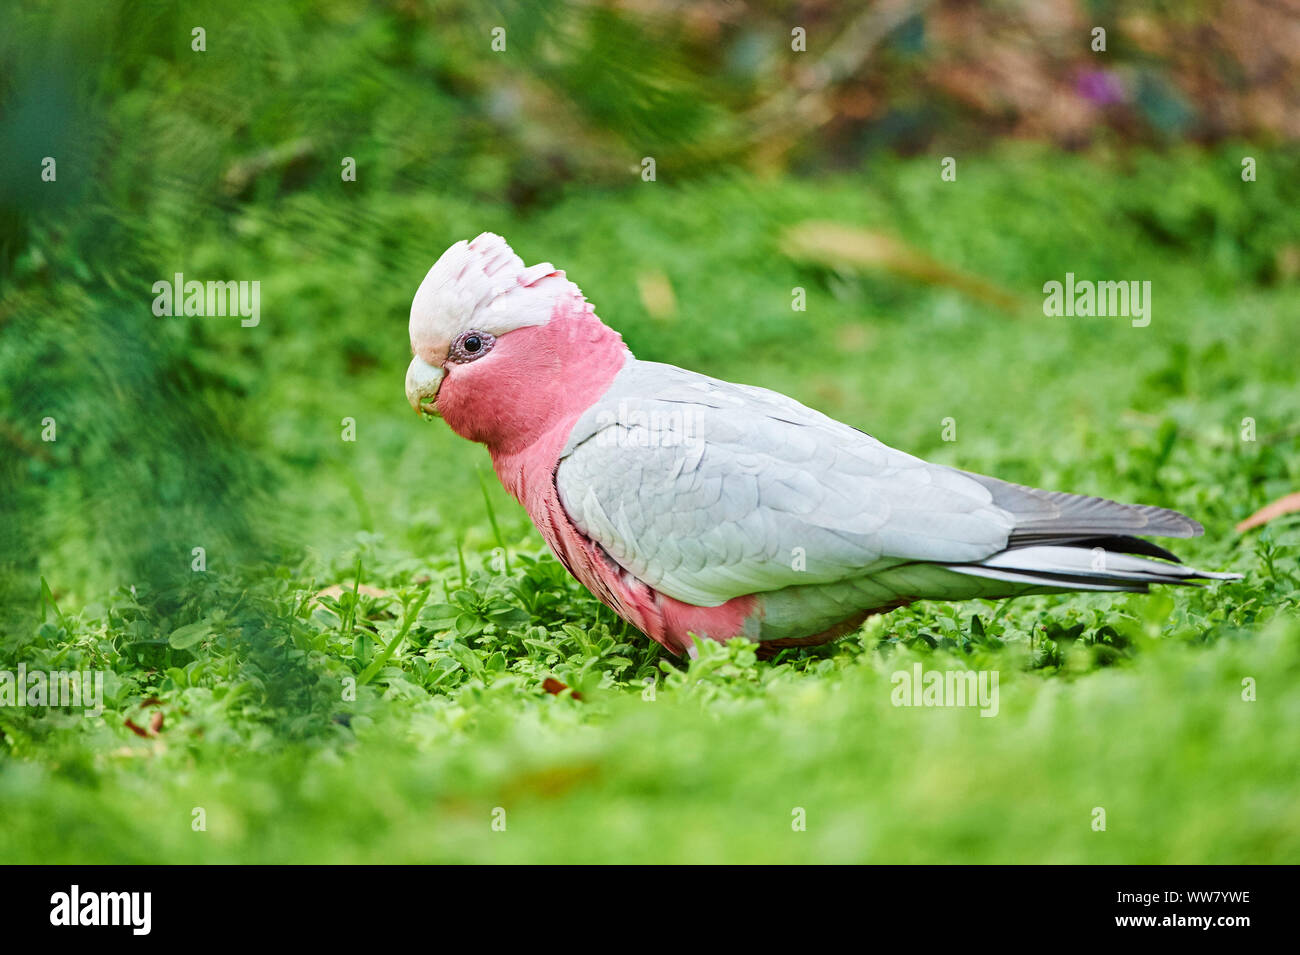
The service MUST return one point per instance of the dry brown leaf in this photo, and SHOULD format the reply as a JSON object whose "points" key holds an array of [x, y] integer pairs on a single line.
{"points": [[1283, 505], [555, 687], [838, 246]]}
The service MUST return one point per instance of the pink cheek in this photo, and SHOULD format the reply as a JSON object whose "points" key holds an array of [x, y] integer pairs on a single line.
{"points": [[463, 399]]}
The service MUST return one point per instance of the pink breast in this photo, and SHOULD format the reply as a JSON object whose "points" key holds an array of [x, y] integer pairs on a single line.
{"points": [[528, 475]]}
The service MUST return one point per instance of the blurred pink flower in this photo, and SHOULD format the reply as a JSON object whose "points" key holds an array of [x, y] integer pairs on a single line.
{"points": [[1101, 87]]}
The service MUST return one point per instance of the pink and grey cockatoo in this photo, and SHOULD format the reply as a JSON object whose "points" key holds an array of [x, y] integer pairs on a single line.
{"points": [[693, 506]]}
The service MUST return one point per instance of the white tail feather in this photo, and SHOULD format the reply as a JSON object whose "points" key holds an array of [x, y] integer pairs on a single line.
{"points": [[1079, 568]]}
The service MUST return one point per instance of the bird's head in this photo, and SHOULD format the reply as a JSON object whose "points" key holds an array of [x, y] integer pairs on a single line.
{"points": [[503, 351]]}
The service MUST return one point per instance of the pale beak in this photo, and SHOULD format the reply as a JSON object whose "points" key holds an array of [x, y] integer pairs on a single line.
{"points": [[422, 381]]}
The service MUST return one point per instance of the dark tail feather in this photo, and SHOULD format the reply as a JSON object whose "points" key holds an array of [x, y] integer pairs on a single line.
{"points": [[1054, 516]]}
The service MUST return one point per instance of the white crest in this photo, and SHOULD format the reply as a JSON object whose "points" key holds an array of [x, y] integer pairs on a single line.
{"points": [[482, 285]]}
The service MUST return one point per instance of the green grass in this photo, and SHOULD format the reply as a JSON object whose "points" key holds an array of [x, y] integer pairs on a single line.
{"points": [[1129, 703]]}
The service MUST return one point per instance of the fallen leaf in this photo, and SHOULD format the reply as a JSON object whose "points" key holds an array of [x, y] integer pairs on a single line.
{"points": [[837, 246], [656, 293], [1283, 505], [555, 687]]}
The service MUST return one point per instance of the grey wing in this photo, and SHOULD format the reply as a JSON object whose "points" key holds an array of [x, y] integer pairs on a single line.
{"points": [[708, 490]]}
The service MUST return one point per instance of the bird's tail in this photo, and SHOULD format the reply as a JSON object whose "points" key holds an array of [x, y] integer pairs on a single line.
{"points": [[1073, 542], [1065, 568]]}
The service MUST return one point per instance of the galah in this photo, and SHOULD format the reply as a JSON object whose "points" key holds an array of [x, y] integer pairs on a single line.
{"points": [[697, 507]]}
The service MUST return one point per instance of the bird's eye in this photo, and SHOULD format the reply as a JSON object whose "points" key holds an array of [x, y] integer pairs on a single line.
{"points": [[469, 346]]}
